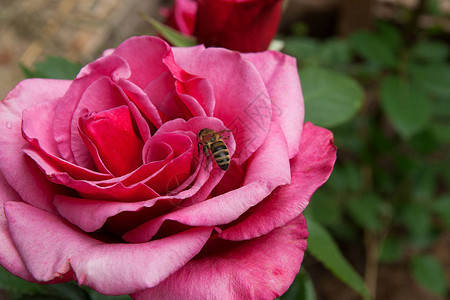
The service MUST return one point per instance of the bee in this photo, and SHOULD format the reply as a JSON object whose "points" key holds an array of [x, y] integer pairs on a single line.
{"points": [[213, 141]]}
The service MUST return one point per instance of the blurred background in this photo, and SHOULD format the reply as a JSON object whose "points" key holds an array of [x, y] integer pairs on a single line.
{"points": [[375, 72]]}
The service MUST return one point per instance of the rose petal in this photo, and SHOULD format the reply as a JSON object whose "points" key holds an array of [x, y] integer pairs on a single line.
{"points": [[142, 102], [9, 256], [111, 66], [39, 234], [158, 90], [280, 76], [111, 269], [310, 169], [112, 191], [242, 102], [202, 91], [37, 129], [112, 133], [261, 268], [144, 55], [18, 170], [116, 269], [91, 215], [37, 122], [101, 95]]}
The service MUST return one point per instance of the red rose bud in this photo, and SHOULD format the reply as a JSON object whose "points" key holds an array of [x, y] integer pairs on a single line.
{"points": [[242, 25], [182, 16]]}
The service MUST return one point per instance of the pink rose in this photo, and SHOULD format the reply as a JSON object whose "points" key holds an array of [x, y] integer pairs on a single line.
{"points": [[242, 25], [101, 181]]}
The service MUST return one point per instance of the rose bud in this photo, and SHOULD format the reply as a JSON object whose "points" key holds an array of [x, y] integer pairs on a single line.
{"points": [[242, 25], [103, 179]]}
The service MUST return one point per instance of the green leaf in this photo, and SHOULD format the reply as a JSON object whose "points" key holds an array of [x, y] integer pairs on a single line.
{"points": [[391, 35], [67, 291], [335, 53], [391, 250], [325, 208], [430, 51], [406, 108], [417, 219], [429, 273], [40, 297], [442, 208], [441, 119], [301, 289], [97, 296], [53, 67], [304, 49], [331, 98], [174, 37], [322, 246], [365, 211], [372, 48], [17, 285], [432, 79]]}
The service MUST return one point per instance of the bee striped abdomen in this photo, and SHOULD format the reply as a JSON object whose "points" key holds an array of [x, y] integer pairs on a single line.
{"points": [[220, 153]]}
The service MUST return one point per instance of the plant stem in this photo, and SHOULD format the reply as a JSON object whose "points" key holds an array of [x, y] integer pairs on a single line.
{"points": [[371, 270]]}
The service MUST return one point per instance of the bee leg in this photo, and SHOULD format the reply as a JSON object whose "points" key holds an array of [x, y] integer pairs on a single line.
{"points": [[205, 150]]}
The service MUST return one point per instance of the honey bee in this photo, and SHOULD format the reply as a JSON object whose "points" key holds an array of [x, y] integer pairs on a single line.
{"points": [[213, 141]]}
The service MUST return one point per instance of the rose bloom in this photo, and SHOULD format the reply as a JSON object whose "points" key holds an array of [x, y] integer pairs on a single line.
{"points": [[102, 180], [242, 25]]}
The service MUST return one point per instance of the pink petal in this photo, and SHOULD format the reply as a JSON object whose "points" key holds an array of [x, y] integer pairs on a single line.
{"points": [[91, 215], [198, 88], [18, 170], [51, 164], [112, 133], [280, 76], [113, 191], [37, 123], [45, 242], [37, 129], [202, 91], [9, 256], [51, 247], [111, 66], [101, 95], [242, 102], [142, 101], [144, 55], [310, 169], [115, 269], [268, 169], [158, 90], [261, 268]]}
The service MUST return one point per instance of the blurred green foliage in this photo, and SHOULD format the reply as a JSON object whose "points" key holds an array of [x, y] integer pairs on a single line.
{"points": [[388, 105]]}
